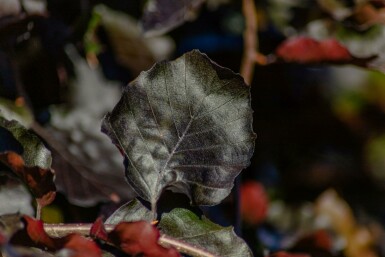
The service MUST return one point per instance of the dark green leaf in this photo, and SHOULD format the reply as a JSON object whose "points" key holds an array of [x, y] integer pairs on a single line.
{"points": [[185, 225], [184, 125], [34, 152], [161, 16], [131, 211]]}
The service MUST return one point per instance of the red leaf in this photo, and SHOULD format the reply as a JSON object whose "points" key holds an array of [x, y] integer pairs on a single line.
{"points": [[254, 202], [308, 50], [81, 246], [34, 235], [98, 230], [285, 254], [39, 181], [140, 238], [334, 51]]}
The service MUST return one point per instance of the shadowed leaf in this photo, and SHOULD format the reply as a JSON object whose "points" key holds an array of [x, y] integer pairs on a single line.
{"points": [[39, 181], [34, 235], [131, 211], [34, 152], [161, 16], [32, 161], [184, 125], [185, 225]]}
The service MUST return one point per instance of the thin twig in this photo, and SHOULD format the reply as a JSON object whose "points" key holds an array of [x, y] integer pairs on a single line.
{"points": [[183, 247], [61, 230], [38, 210], [250, 38]]}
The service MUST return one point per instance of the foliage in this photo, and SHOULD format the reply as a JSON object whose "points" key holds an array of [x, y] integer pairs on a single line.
{"points": [[184, 128], [160, 124], [179, 159]]}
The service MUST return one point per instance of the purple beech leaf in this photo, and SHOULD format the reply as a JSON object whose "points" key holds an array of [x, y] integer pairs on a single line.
{"points": [[185, 125], [88, 167], [161, 16]]}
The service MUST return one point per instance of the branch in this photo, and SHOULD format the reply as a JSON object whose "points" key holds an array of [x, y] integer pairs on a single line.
{"points": [[61, 230], [251, 56]]}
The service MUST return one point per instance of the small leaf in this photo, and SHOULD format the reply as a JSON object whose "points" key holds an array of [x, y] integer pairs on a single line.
{"points": [[89, 159], [254, 202], [308, 50], [140, 238], [39, 181], [161, 16], [98, 230], [184, 125], [34, 235], [80, 246], [131, 211], [34, 152], [185, 225]]}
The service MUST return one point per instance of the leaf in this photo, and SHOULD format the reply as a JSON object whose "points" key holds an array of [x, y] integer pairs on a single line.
{"points": [[185, 225], [161, 16], [34, 152], [140, 238], [254, 202], [131, 211], [34, 235], [98, 230], [130, 48], [9, 225], [9, 7], [15, 7], [82, 155], [38, 180], [308, 50], [184, 125], [32, 164], [16, 111]]}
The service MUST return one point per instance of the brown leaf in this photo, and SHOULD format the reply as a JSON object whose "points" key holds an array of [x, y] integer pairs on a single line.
{"points": [[40, 181]]}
